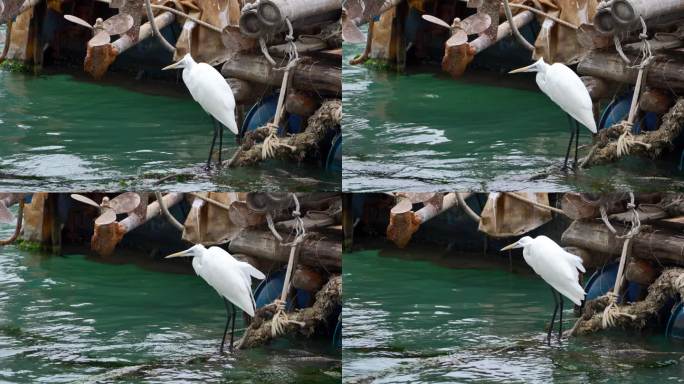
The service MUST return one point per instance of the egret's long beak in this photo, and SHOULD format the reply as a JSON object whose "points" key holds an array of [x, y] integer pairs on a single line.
{"points": [[506, 248], [179, 254], [529, 68], [173, 66]]}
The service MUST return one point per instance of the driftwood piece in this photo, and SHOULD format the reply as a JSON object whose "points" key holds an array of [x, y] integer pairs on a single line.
{"points": [[306, 76], [578, 206], [328, 300], [306, 144], [658, 141], [665, 72], [667, 286], [314, 251], [598, 88], [661, 246]]}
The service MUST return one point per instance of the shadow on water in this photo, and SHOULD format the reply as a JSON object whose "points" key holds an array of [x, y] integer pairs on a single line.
{"points": [[411, 320], [65, 132], [73, 319], [424, 131]]}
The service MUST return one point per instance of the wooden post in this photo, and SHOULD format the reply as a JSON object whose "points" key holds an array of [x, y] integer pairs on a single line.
{"points": [[13, 8]]}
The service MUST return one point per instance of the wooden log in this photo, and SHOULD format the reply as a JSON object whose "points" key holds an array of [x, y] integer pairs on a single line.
{"points": [[274, 12], [627, 13], [578, 207], [106, 237], [664, 72], [655, 100], [324, 79], [590, 259], [662, 246], [598, 88], [457, 58], [314, 252], [243, 91], [641, 272]]}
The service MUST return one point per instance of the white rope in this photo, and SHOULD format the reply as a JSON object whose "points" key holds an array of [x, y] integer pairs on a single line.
{"points": [[280, 319], [612, 311]]}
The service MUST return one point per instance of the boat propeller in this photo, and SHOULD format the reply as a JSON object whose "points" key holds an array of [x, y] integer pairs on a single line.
{"points": [[124, 203], [460, 29], [103, 30]]}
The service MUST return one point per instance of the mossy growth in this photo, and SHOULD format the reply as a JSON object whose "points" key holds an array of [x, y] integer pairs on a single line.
{"points": [[14, 66], [379, 64], [26, 245]]}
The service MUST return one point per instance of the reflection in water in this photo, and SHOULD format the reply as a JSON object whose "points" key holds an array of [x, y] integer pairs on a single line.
{"points": [[425, 131], [66, 319], [413, 321], [105, 136]]}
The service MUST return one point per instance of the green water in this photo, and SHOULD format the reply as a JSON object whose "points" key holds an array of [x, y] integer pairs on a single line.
{"points": [[62, 133], [70, 319], [416, 321], [425, 131]]}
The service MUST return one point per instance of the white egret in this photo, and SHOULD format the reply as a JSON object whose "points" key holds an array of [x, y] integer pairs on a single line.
{"points": [[211, 91], [557, 267], [562, 85], [232, 279]]}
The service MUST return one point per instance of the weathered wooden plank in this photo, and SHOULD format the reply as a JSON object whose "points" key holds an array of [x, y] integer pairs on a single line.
{"points": [[326, 253], [663, 246], [666, 72], [305, 76]]}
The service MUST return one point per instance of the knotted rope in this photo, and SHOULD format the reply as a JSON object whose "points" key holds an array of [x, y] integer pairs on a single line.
{"points": [[280, 319], [272, 142], [612, 311], [626, 139]]}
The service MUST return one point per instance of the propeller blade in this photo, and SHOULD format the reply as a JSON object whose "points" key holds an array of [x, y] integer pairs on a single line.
{"points": [[125, 202], [476, 23], [436, 20], [101, 38], [84, 200], [118, 24], [351, 33], [458, 38], [78, 20], [6, 215], [108, 216]]}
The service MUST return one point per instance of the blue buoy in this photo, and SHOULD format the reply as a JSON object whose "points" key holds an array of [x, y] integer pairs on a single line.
{"points": [[618, 110], [334, 161], [264, 111], [270, 289], [603, 280], [675, 324]]}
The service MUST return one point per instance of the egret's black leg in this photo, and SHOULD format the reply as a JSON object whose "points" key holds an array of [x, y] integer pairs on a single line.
{"points": [[225, 331], [220, 128], [232, 328], [560, 320], [577, 133], [567, 153], [213, 142], [553, 318]]}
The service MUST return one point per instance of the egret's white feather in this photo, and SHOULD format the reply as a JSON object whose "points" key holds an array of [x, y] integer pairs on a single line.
{"points": [[226, 275], [557, 267], [562, 85], [210, 90]]}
